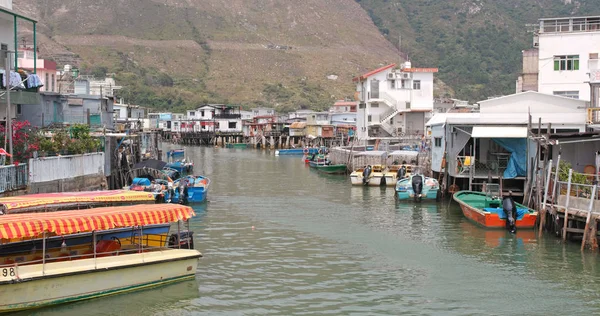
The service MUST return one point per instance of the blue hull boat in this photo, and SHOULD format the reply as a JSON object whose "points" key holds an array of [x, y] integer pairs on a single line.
{"points": [[194, 189], [430, 188], [299, 151], [181, 166], [175, 153]]}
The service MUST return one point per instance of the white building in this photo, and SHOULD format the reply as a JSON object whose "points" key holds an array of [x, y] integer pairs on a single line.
{"points": [[263, 112], [394, 101], [480, 135], [216, 117], [568, 50]]}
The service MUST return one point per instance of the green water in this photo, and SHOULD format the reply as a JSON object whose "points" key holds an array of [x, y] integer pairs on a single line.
{"points": [[322, 247]]}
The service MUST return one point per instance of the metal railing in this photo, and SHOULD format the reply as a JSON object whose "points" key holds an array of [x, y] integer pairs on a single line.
{"points": [[13, 177], [593, 115]]}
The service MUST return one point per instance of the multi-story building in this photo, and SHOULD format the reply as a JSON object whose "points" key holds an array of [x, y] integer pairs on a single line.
{"points": [[45, 69], [217, 117], [565, 58], [394, 101]]}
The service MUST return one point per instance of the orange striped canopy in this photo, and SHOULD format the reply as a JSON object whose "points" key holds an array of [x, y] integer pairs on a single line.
{"points": [[54, 199], [103, 218]]}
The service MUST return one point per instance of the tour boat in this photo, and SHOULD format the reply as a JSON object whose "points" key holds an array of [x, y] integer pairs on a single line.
{"points": [[48, 275], [486, 209], [418, 187], [42, 202]]}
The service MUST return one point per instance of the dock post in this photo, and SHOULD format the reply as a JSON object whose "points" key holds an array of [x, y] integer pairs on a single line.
{"points": [[587, 220], [566, 218], [546, 186]]}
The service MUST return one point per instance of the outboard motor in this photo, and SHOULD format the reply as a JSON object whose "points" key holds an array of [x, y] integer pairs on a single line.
{"points": [[186, 240], [183, 194], [366, 173], [510, 210], [401, 173], [417, 186]]}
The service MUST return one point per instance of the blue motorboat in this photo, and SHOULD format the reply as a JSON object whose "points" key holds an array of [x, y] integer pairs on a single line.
{"points": [[193, 189], [176, 153], [182, 166], [418, 187]]}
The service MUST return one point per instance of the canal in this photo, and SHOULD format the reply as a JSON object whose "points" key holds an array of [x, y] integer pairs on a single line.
{"points": [[281, 239]]}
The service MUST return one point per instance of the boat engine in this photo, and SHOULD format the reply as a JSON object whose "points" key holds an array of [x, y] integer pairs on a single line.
{"points": [[417, 186], [183, 193], [401, 173], [510, 211], [186, 240], [366, 173]]}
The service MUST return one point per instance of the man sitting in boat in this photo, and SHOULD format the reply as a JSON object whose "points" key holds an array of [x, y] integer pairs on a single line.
{"points": [[510, 211]]}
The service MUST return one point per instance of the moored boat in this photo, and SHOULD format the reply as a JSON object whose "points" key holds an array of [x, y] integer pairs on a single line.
{"points": [[300, 151], [487, 209], [369, 175], [418, 187], [176, 153], [189, 189], [241, 146], [326, 167], [102, 267], [182, 166], [395, 173], [43, 202]]}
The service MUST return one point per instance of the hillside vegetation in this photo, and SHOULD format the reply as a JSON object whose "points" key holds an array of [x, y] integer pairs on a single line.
{"points": [[476, 44], [177, 54]]}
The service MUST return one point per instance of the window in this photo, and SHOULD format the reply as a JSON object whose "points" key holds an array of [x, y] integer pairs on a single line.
{"points": [[417, 85], [369, 118], [404, 84], [18, 109], [568, 94], [392, 121], [566, 62], [374, 105], [361, 106], [192, 113], [47, 82], [233, 125], [52, 82], [393, 84], [437, 141], [202, 113]]}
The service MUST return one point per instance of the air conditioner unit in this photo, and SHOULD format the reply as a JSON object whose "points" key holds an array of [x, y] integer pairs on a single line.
{"points": [[391, 75], [406, 76]]}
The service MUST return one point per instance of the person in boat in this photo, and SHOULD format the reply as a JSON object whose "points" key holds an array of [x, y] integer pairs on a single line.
{"points": [[510, 211], [401, 172]]}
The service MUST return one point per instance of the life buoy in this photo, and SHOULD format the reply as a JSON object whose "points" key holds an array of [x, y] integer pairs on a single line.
{"points": [[305, 151]]}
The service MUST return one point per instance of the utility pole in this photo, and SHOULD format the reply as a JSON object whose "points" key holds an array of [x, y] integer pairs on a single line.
{"points": [[8, 114]]}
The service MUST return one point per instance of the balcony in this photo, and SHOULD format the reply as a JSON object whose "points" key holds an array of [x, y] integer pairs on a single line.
{"points": [[228, 116], [593, 116]]}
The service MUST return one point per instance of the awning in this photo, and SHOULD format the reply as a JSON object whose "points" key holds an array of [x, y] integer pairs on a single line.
{"points": [[50, 200], [499, 132], [298, 125], [70, 222]]}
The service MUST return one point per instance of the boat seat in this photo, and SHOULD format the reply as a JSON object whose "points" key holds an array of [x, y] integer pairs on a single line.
{"points": [[106, 248], [465, 163]]}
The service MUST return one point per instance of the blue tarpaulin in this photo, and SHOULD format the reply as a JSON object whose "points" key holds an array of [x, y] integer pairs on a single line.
{"points": [[517, 164]]}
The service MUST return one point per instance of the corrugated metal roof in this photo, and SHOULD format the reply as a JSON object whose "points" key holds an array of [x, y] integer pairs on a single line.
{"points": [[298, 125]]}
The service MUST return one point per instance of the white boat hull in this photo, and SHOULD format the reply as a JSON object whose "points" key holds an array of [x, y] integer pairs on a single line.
{"points": [[33, 286]]}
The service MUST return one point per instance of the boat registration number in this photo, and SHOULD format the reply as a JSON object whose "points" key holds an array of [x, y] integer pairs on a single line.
{"points": [[8, 272]]}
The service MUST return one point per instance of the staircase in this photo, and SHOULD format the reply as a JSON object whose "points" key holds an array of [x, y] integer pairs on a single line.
{"points": [[388, 128]]}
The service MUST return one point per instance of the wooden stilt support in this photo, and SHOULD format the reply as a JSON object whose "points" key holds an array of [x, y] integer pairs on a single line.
{"points": [[546, 187], [588, 218], [566, 218]]}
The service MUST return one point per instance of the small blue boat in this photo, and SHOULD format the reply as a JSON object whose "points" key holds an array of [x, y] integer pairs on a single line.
{"points": [[181, 166], [194, 189], [427, 188], [300, 151], [176, 153]]}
